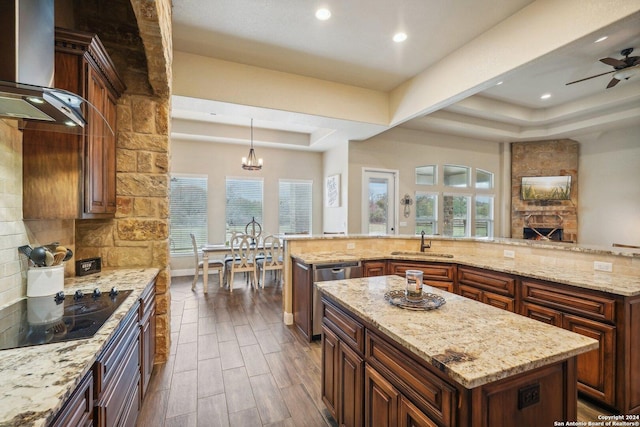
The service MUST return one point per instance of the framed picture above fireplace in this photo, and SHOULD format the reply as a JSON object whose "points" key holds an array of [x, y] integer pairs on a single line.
{"points": [[546, 187]]}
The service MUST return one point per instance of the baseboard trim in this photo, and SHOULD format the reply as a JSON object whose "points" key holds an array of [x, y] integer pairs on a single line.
{"points": [[288, 318]]}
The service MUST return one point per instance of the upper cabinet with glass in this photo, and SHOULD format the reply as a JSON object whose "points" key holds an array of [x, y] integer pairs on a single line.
{"points": [[484, 179], [426, 175], [456, 176]]}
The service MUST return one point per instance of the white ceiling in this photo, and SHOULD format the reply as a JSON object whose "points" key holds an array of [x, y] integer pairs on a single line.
{"points": [[354, 47]]}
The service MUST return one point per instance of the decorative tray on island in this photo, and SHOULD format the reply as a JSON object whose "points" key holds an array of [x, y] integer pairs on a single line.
{"points": [[428, 301]]}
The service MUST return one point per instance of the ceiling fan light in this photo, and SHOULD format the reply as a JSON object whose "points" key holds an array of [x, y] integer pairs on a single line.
{"points": [[627, 73]]}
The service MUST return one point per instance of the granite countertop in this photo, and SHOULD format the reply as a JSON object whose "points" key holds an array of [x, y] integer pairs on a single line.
{"points": [[614, 283], [36, 381], [630, 252], [473, 343]]}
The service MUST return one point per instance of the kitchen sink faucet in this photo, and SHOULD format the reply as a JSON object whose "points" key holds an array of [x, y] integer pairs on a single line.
{"points": [[424, 246]]}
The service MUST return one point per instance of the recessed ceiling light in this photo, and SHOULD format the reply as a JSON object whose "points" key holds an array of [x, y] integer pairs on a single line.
{"points": [[499, 83], [323, 14], [399, 37], [601, 39], [546, 96]]}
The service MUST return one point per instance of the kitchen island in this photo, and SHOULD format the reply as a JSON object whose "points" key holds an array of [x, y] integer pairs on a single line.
{"points": [[465, 363], [37, 381]]}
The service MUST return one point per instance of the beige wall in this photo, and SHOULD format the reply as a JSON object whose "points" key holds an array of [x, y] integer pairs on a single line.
{"points": [[336, 162], [403, 150], [609, 208], [218, 161]]}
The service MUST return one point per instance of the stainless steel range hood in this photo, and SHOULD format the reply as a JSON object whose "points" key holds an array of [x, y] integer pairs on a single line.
{"points": [[27, 69]]}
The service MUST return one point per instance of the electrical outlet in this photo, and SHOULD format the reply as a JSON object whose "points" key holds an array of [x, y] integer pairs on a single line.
{"points": [[602, 266], [509, 254], [351, 245]]}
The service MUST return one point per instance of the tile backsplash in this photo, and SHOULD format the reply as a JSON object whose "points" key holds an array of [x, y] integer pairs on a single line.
{"points": [[12, 229]]}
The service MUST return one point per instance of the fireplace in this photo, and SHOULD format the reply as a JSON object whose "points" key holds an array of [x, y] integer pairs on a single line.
{"points": [[542, 234]]}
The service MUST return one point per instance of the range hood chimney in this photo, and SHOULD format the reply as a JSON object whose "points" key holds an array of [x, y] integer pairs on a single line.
{"points": [[27, 36]]}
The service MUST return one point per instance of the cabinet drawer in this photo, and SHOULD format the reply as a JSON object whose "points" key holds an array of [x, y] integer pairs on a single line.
{"points": [[147, 301], [490, 281], [541, 314], [431, 271], [445, 286], [111, 406], [569, 300], [78, 411], [347, 328], [112, 358], [425, 389]]}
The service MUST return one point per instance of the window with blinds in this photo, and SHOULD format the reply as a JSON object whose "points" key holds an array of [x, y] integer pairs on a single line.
{"points": [[244, 203], [188, 207], [295, 202]]}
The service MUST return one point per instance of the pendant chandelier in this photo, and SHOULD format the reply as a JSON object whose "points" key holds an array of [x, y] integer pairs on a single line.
{"points": [[251, 162]]}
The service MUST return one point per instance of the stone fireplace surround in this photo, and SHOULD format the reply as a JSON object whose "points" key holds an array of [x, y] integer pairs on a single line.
{"points": [[544, 158]]}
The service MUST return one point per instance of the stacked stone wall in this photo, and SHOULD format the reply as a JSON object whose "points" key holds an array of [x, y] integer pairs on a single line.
{"points": [[544, 158], [137, 35]]}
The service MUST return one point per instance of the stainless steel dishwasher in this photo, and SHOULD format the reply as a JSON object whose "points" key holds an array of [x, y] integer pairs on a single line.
{"points": [[326, 272]]}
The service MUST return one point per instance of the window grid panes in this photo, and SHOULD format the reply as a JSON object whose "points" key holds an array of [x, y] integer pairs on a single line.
{"points": [[426, 175], [456, 176], [456, 215], [484, 179], [244, 203], [294, 206], [484, 216], [426, 213], [188, 207]]}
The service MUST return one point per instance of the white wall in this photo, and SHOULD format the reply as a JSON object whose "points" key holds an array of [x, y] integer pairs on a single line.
{"points": [[403, 150], [336, 161], [218, 161], [609, 185]]}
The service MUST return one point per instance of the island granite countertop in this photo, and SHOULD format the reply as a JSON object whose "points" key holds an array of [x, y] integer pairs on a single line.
{"points": [[473, 343], [36, 381]]}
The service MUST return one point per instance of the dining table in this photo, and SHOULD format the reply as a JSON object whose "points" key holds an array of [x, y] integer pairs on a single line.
{"points": [[212, 249]]}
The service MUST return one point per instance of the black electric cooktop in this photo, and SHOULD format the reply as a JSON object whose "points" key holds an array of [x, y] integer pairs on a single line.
{"points": [[45, 320]]}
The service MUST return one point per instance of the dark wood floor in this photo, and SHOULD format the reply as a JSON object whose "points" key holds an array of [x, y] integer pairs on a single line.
{"points": [[234, 363]]}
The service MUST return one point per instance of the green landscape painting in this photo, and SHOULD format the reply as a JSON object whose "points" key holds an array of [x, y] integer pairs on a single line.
{"points": [[546, 187]]}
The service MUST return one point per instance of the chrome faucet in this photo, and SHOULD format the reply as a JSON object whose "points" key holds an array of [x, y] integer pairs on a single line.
{"points": [[424, 246]]}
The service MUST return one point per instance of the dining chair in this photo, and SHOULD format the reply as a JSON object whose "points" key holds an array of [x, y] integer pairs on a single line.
{"points": [[212, 264], [272, 258], [242, 259]]}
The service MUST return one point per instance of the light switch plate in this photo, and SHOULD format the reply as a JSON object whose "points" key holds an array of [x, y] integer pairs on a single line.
{"points": [[509, 254]]}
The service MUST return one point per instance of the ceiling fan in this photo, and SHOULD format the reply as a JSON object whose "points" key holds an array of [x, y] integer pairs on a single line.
{"points": [[623, 68]]}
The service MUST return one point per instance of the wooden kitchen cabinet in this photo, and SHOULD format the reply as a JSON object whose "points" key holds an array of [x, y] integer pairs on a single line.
{"points": [[302, 294], [399, 388], [78, 410], [69, 176], [489, 287], [147, 337], [381, 400], [117, 375], [374, 268], [587, 313], [330, 381], [438, 275], [342, 366]]}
